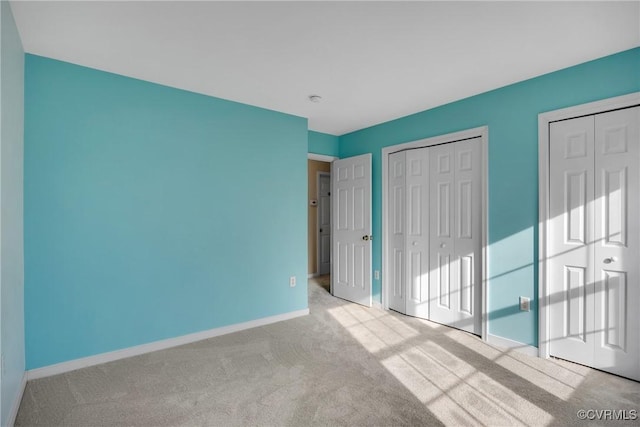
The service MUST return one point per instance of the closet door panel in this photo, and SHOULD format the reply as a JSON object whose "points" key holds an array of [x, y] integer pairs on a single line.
{"points": [[468, 232], [397, 229], [617, 242], [417, 232], [570, 254], [443, 273]]}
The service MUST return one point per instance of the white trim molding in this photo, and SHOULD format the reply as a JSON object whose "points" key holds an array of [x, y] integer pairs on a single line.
{"points": [[544, 119], [98, 359], [13, 412], [481, 132], [512, 345], [321, 157]]}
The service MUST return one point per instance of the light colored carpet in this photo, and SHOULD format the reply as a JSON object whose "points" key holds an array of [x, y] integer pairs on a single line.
{"points": [[342, 365]]}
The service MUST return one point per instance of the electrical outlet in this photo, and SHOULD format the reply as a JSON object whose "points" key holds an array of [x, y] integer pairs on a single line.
{"points": [[292, 281], [525, 304], [376, 274]]}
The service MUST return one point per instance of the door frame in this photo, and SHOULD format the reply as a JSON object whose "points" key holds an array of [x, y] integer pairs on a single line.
{"points": [[544, 120], [321, 157], [327, 159], [481, 132], [318, 245]]}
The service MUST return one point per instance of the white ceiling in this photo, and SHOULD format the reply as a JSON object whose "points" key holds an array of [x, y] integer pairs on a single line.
{"points": [[370, 61]]}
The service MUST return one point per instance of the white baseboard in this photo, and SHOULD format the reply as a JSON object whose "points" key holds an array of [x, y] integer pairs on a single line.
{"points": [[98, 359], [13, 412], [511, 344]]}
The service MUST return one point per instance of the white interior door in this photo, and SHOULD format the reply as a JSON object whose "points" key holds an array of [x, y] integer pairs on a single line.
{"points": [[455, 226], [442, 263], [435, 233], [617, 242], [397, 212], [351, 202], [324, 223], [571, 229], [468, 233], [594, 245], [417, 232], [409, 232]]}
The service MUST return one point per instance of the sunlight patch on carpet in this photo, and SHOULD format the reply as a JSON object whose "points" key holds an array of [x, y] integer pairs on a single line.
{"points": [[554, 379], [375, 331]]}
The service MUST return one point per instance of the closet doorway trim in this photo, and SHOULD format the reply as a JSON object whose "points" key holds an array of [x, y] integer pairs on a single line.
{"points": [[483, 134]]}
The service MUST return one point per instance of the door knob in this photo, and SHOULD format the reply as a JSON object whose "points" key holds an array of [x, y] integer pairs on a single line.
{"points": [[415, 243], [365, 237], [442, 245], [609, 260]]}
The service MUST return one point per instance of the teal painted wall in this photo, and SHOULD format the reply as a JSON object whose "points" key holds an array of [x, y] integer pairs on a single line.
{"points": [[512, 116], [152, 212], [323, 143], [11, 213]]}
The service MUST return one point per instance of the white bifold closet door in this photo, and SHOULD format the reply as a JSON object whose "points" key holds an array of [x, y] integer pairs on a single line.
{"points": [[594, 245], [435, 233], [409, 232], [397, 212], [417, 233], [455, 229]]}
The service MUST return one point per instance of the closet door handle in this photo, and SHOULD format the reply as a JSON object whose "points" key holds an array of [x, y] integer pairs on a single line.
{"points": [[365, 237]]}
